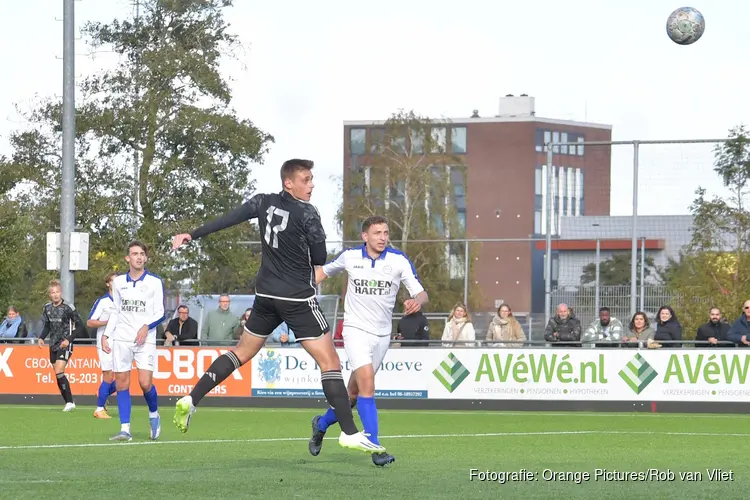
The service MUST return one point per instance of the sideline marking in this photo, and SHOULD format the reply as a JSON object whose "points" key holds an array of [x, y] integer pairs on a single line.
{"points": [[396, 436], [497, 413]]}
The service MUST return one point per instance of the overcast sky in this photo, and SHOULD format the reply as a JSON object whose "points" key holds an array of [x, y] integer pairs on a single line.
{"points": [[310, 66]]}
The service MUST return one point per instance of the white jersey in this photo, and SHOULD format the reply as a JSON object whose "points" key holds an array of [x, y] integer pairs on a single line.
{"points": [[373, 286], [101, 311], [136, 303]]}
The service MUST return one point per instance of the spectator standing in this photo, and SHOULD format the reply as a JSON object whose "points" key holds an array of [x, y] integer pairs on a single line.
{"points": [[739, 333], [505, 327], [414, 327], [284, 336], [668, 327], [182, 330], [220, 324], [13, 326], [715, 333], [563, 329], [640, 332], [605, 331], [459, 328]]}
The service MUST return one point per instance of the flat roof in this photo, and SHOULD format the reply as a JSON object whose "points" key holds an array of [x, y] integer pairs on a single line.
{"points": [[491, 119]]}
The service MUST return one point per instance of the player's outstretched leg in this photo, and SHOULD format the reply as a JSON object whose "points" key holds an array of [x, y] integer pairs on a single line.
{"points": [[320, 424], [223, 367], [324, 354]]}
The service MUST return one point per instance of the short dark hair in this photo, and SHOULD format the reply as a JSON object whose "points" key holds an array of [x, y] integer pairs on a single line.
{"points": [[290, 167], [372, 221], [136, 243], [183, 306], [109, 277], [604, 309]]}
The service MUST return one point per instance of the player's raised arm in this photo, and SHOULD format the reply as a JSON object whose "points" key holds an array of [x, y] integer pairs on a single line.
{"points": [[245, 212]]}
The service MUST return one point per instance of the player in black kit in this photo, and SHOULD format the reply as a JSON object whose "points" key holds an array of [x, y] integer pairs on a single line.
{"points": [[62, 324], [293, 243]]}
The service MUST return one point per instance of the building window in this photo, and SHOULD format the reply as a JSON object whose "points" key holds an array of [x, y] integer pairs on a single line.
{"points": [[439, 137], [539, 140], [555, 141], [563, 139], [398, 144], [459, 190], [462, 220], [417, 141], [580, 145], [357, 141], [458, 140], [538, 181], [538, 222], [547, 139], [377, 136]]}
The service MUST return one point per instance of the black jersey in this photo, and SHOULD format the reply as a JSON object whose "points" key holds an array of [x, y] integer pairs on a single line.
{"points": [[60, 322], [292, 239]]}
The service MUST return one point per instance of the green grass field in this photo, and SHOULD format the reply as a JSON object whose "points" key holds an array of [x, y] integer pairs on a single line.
{"points": [[252, 453]]}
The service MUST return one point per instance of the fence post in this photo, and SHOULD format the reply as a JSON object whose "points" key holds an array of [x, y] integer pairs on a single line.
{"points": [[643, 273], [548, 246], [466, 273], [634, 254], [597, 284]]}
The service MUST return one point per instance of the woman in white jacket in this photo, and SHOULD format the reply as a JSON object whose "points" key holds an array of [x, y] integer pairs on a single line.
{"points": [[459, 330]]}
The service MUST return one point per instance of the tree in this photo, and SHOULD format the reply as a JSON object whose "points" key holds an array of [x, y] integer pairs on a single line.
{"points": [[616, 270], [158, 149], [714, 268], [410, 177]]}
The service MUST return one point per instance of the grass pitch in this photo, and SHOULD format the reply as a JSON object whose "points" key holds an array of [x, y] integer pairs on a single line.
{"points": [[262, 453]]}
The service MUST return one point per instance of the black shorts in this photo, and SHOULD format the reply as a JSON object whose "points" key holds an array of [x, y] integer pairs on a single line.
{"points": [[59, 354], [304, 318]]}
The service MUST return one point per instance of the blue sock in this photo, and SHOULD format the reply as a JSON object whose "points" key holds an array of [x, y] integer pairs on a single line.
{"points": [[104, 393], [124, 405], [327, 420], [151, 399], [112, 387], [368, 413]]}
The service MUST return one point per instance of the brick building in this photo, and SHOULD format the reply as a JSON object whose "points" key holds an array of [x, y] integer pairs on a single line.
{"points": [[506, 193]]}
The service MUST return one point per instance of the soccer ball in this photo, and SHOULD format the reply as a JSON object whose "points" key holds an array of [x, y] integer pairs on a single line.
{"points": [[685, 25]]}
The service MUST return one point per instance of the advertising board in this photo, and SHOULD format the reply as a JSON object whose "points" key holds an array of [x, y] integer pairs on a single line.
{"points": [[25, 369], [291, 372], [717, 375]]}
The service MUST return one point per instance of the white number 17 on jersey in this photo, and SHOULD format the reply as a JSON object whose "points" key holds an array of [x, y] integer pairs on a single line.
{"points": [[278, 227]]}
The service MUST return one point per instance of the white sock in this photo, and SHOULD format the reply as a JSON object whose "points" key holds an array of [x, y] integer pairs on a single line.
{"points": [[99, 408], [125, 428], [153, 414]]}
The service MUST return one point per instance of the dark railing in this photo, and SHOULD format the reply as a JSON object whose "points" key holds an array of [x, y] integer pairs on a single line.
{"points": [[462, 344]]}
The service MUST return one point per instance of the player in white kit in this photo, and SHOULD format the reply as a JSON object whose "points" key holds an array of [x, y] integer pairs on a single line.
{"points": [[98, 319], [375, 273], [130, 336]]}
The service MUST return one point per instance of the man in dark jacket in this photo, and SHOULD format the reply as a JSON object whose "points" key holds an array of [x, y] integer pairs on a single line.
{"points": [[715, 332], [563, 329], [739, 333], [414, 327], [182, 330]]}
